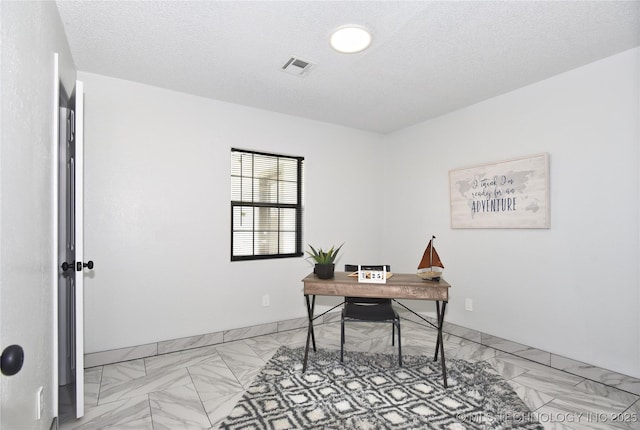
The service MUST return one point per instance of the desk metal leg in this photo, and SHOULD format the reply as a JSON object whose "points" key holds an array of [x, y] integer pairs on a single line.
{"points": [[440, 342], [439, 326], [310, 334]]}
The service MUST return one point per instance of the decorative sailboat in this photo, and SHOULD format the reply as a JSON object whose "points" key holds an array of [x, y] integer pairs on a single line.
{"points": [[430, 260]]}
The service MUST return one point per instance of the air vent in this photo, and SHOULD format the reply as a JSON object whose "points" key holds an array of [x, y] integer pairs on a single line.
{"points": [[297, 66]]}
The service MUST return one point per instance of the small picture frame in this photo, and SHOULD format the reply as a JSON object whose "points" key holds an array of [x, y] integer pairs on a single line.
{"points": [[372, 276]]}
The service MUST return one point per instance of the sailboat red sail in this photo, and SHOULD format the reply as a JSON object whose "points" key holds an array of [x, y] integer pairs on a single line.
{"points": [[430, 259]]}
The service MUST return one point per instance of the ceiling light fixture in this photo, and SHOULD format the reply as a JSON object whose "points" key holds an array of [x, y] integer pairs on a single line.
{"points": [[350, 39]]}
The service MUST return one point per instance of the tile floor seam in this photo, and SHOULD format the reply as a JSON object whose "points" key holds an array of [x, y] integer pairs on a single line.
{"points": [[150, 412], [637, 402], [204, 409], [230, 369], [545, 403], [99, 386]]}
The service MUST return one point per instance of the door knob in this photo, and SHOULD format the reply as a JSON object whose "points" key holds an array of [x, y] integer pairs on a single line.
{"points": [[11, 360], [80, 265], [77, 266]]}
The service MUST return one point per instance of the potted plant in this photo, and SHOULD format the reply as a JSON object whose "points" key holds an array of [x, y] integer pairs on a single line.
{"points": [[325, 261]]}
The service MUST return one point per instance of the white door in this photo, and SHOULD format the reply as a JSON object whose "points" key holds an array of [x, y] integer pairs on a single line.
{"points": [[74, 263]]}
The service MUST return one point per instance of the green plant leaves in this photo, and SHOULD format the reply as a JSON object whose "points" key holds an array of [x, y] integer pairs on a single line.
{"points": [[321, 256]]}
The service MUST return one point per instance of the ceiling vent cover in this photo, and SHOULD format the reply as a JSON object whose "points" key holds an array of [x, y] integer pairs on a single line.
{"points": [[297, 66]]}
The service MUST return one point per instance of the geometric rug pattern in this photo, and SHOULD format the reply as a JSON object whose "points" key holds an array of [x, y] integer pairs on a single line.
{"points": [[370, 392]]}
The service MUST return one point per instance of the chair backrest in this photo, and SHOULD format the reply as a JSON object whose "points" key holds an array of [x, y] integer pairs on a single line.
{"points": [[365, 300], [354, 267]]}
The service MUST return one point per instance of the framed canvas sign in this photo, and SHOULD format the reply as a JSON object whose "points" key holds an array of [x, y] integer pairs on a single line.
{"points": [[507, 194]]}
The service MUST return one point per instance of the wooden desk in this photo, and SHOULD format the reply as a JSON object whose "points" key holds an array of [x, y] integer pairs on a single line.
{"points": [[399, 286]]}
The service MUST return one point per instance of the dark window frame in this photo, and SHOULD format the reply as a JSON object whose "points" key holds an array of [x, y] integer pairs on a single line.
{"points": [[274, 205]]}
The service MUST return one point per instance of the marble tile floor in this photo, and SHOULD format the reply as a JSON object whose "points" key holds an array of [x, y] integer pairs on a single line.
{"points": [[197, 388]]}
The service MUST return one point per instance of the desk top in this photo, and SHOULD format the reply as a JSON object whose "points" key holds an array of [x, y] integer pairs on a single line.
{"points": [[399, 286]]}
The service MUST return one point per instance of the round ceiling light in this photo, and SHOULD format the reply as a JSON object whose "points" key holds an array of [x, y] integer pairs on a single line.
{"points": [[350, 39]]}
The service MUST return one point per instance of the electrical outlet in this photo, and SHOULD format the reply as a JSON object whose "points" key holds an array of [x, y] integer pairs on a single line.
{"points": [[468, 305], [265, 300], [39, 403]]}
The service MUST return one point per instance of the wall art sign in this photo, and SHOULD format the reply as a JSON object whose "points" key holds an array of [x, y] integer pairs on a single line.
{"points": [[507, 194]]}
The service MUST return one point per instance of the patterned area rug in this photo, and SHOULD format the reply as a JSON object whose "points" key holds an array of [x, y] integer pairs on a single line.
{"points": [[370, 392]]}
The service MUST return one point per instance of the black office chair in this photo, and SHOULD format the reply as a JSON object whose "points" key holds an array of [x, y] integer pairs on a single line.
{"points": [[370, 309]]}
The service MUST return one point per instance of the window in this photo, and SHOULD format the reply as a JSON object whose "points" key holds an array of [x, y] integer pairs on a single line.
{"points": [[266, 205]]}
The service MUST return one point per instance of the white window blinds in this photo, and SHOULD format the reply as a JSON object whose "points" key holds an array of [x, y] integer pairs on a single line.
{"points": [[266, 205]]}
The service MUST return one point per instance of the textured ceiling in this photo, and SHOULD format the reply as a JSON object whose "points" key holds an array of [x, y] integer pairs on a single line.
{"points": [[427, 58]]}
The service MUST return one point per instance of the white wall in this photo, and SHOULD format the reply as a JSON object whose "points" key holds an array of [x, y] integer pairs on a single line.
{"points": [[572, 289], [31, 34], [157, 212]]}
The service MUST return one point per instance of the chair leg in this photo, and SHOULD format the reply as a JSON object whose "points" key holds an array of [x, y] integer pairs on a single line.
{"points": [[342, 340], [399, 346], [393, 333]]}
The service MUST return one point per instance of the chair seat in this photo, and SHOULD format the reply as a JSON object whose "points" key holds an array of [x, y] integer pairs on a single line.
{"points": [[370, 309], [369, 312]]}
